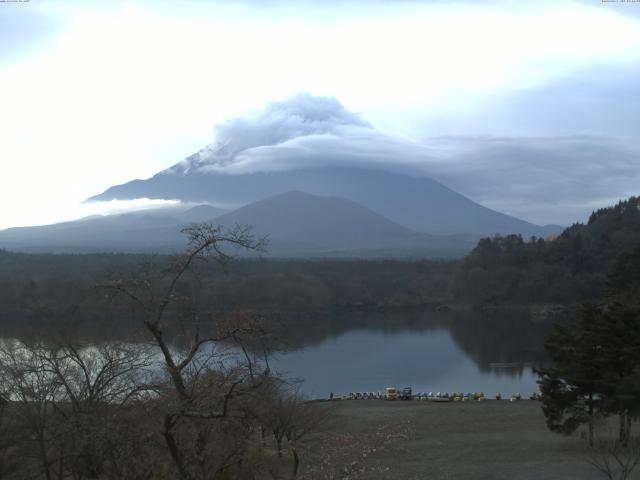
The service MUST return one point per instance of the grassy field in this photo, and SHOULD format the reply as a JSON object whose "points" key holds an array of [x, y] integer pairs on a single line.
{"points": [[490, 440]]}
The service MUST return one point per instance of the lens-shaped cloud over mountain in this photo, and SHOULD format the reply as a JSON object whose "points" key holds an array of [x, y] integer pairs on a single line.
{"points": [[301, 117], [439, 186], [542, 179]]}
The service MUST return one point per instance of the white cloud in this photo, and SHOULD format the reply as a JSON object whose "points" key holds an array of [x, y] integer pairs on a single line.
{"points": [[299, 116], [42, 213], [546, 179], [130, 88], [540, 179]]}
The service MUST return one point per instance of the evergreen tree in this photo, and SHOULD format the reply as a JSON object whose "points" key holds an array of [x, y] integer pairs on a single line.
{"points": [[619, 333], [596, 368], [572, 389]]}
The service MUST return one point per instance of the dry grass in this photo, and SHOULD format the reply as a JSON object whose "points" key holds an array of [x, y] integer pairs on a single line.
{"points": [[491, 440]]}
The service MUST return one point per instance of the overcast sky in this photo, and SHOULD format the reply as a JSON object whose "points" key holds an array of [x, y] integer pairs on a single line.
{"points": [[530, 108]]}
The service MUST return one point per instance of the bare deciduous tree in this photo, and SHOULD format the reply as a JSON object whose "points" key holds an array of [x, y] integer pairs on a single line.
{"points": [[613, 458], [205, 396], [65, 401], [32, 392], [189, 405]]}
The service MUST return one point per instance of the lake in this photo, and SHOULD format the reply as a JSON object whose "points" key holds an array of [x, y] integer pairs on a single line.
{"points": [[357, 351], [446, 352]]}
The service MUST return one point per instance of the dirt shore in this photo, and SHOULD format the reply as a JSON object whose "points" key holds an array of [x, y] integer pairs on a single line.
{"points": [[491, 440]]}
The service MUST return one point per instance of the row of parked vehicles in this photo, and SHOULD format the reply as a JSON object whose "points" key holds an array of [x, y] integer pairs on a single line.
{"points": [[392, 393], [405, 394]]}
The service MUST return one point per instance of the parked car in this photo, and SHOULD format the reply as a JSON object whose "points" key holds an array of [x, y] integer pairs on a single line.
{"points": [[390, 393], [406, 394]]}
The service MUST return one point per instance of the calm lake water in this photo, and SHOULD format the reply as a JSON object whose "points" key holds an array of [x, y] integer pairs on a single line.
{"points": [[466, 353], [429, 351]]}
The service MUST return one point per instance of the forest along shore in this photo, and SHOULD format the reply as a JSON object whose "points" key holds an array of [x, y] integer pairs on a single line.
{"points": [[488, 440]]}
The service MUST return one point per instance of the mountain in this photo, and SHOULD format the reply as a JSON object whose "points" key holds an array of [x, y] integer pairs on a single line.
{"points": [[157, 229], [297, 224], [201, 213], [299, 215], [417, 203]]}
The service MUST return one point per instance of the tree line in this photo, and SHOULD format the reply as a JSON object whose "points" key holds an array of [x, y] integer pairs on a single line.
{"points": [[48, 289], [569, 268]]}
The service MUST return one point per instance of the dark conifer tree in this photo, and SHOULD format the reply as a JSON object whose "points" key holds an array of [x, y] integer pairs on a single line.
{"points": [[572, 388], [596, 368]]}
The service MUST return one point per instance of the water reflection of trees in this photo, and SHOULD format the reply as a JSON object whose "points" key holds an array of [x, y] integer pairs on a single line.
{"points": [[506, 343], [503, 343], [500, 343]]}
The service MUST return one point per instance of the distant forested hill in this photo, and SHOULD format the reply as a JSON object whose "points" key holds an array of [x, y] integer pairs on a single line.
{"points": [[564, 269]]}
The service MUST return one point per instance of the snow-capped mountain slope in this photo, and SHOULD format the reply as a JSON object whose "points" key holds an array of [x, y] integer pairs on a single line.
{"points": [[314, 145]]}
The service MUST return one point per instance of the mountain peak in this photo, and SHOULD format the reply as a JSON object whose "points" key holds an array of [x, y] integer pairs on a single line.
{"points": [[201, 213], [296, 213], [300, 116]]}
